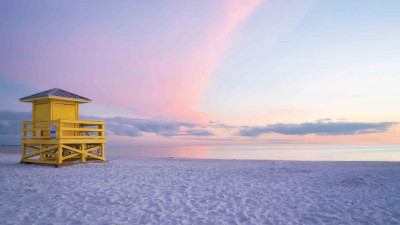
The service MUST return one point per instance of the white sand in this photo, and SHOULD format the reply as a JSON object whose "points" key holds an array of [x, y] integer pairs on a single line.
{"points": [[177, 191]]}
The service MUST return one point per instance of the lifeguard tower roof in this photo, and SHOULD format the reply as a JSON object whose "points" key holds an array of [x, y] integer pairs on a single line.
{"points": [[55, 93]]}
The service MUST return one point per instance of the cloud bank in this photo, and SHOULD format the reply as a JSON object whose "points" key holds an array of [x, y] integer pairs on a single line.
{"points": [[10, 128], [199, 132], [11, 124], [133, 127], [318, 128]]}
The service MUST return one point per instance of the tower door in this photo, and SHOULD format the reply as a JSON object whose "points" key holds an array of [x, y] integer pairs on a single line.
{"points": [[65, 111]]}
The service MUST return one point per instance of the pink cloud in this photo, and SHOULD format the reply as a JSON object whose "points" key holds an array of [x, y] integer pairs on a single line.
{"points": [[164, 74]]}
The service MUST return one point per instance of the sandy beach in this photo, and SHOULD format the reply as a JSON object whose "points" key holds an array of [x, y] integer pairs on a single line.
{"points": [[194, 191]]}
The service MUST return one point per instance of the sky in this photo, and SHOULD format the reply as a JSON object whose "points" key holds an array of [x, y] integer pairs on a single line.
{"points": [[226, 72]]}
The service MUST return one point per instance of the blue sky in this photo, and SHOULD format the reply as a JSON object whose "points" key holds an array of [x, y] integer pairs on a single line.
{"points": [[351, 47], [246, 65]]}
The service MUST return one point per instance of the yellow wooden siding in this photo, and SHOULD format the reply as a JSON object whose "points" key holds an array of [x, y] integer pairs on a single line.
{"points": [[47, 110], [66, 111], [42, 118], [42, 112]]}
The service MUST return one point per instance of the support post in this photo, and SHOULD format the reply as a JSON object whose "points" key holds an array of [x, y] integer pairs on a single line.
{"points": [[101, 133], [83, 157], [41, 154], [60, 157], [102, 151], [23, 150]]}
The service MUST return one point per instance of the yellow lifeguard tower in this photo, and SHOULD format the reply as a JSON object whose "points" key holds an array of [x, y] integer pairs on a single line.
{"points": [[56, 135]]}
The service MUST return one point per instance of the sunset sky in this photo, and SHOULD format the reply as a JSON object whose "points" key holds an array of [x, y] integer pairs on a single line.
{"points": [[224, 72]]}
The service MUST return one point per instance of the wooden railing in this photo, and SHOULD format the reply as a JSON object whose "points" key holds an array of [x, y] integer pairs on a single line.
{"points": [[34, 133], [65, 129]]}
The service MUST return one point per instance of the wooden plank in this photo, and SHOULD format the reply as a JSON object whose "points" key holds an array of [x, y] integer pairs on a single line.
{"points": [[82, 137], [84, 129], [52, 147], [83, 152], [38, 138], [63, 141], [80, 141], [60, 156], [52, 154], [49, 158], [23, 150], [32, 148], [83, 157], [34, 129], [39, 152], [39, 141], [71, 156], [83, 122], [68, 147], [38, 161], [92, 149], [37, 149]]}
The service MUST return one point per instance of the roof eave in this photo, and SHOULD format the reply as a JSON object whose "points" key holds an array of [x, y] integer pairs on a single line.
{"points": [[60, 98]]}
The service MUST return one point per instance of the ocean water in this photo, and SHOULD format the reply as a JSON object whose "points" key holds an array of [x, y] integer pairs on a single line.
{"points": [[303, 153]]}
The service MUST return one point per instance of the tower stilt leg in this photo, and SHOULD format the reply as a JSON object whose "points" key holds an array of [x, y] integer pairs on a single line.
{"points": [[83, 157], [59, 159]]}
